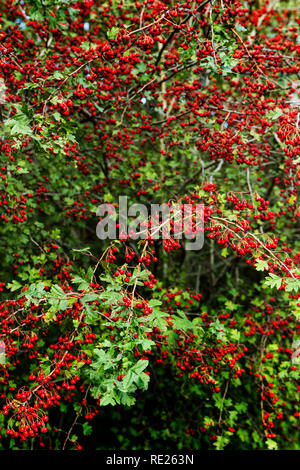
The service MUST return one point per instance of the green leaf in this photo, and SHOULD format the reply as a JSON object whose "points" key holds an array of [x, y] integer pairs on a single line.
{"points": [[273, 281], [225, 252], [57, 291], [231, 306], [107, 399], [235, 335], [292, 284], [272, 445], [154, 303], [140, 366], [274, 114], [87, 429], [89, 297], [14, 285], [238, 27], [58, 75]]}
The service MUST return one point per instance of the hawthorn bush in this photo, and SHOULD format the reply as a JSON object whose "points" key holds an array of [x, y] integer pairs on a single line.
{"points": [[124, 344]]}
